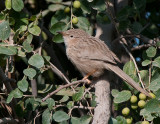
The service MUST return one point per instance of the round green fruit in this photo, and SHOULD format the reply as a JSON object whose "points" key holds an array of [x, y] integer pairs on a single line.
{"points": [[129, 120], [141, 103], [145, 122], [142, 96], [76, 4], [67, 10], [152, 95], [134, 106], [133, 99], [75, 20], [125, 111]]}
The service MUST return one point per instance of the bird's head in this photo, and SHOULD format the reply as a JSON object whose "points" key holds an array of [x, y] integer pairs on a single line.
{"points": [[72, 35]]}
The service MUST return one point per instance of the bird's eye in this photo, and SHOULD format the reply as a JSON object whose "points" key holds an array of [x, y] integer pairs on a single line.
{"points": [[71, 36]]}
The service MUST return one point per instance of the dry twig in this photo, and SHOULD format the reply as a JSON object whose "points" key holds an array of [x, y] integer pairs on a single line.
{"points": [[62, 87]]}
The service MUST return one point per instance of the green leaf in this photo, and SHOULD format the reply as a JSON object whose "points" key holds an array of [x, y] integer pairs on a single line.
{"points": [[60, 116], [2, 16], [158, 43], [121, 120], [8, 4], [54, 20], [5, 30], [137, 27], [83, 23], [83, 120], [85, 6], [145, 77], [114, 92], [27, 47], [129, 68], [122, 96], [11, 50], [113, 121], [146, 62], [17, 5], [46, 117], [70, 104], [11, 21], [75, 120], [23, 85], [153, 106], [156, 62], [59, 26], [9, 98], [78, 96], [155, 85], [157, 94], [36, 61], [47, 58], [51, 103], [16, 93], [93, 102], [21, 52], [30, 72], [29, 38], [151, 51], [31, 104], [26, 44], [99, 5], [146, 114], [64, 99], [58, 38], [55, 7], [35, 30]]}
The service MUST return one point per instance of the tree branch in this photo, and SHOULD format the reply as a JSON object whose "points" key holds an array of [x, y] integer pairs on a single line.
{"points": [[102, 110], [62, 87], [140, 79]]}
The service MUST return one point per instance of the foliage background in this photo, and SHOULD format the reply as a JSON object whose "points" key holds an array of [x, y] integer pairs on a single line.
{"points": [[30, 54]]}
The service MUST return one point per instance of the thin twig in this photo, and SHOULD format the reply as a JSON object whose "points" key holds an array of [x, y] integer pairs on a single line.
{"points": [[150, 73], [140, 79], [141, 47], [74, 107], [62, 75], [62, 87]]}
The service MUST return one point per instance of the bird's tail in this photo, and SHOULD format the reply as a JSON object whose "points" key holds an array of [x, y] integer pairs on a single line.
{"points": [[126, 78]]}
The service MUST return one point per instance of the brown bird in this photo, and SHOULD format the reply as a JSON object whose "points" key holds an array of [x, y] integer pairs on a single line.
{"points": [[92, 56]]}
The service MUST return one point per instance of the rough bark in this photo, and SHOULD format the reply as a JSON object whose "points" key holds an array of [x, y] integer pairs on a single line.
{"points": [[102, 91]]}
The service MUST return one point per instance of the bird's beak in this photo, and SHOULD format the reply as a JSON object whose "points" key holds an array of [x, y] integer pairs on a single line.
{"points": [[62, 33]]}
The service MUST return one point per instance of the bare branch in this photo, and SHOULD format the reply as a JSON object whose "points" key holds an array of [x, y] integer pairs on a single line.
{"points": [[140, 79], [62, 87], [141, 47], [58, 72]]}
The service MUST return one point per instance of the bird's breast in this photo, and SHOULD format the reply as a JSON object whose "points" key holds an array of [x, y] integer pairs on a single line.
{"points": [[84, 65]]}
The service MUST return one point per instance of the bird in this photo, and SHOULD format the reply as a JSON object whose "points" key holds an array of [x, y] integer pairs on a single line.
{"points": [[92, 56]]}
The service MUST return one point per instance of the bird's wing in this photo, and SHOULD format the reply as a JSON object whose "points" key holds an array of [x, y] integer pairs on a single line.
{"points": [[96, 49]]}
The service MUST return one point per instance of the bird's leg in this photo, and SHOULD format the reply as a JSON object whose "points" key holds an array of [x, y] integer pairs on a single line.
{"points": [[89, 74]]}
